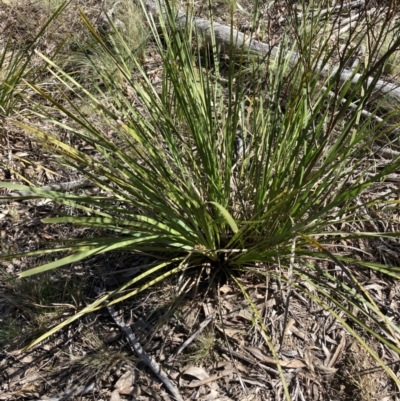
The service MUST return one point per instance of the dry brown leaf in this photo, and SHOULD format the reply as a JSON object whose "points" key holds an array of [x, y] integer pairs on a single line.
{"points": [[225, 289], [125, 390], [256, 352], [223, 399], [198, 373], [115, 396], [229, 332], [212, 378], [111, 336], [338, 351], [229, 307], [250, 397], [327, 354], [289, 326], [27, 389], [246, 314], [251, 380], [270, 303], [325, 369], [29, 378], [315, 391], [309, 357], [293, 364], [190, 316], [126, 380], [212, 395], [298, 332], [208, 309], [229, 364]]}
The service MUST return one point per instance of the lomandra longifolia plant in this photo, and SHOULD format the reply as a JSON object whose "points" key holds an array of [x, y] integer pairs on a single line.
{"points": [[263, 167]]}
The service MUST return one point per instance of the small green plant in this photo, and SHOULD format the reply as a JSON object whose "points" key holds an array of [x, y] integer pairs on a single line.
{"points": [[41, 299], [356, 377], [97, 360], [15, 67], [268, 180], [383, 43], [34, 301], [202, 348], [9, 331], [123, 34]]}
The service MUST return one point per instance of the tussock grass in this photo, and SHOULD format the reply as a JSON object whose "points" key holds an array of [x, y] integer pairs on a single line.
{"points": [[40, 300], [10, 330], [97, 360], [202, 349], [121, 25]]}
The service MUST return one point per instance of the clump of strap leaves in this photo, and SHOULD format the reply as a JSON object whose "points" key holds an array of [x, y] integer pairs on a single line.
{"points": [[263, 175]]}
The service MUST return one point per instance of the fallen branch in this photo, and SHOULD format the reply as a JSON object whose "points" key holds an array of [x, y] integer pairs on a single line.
{"points": [[60, 186], [148, 360], [243, 43]]}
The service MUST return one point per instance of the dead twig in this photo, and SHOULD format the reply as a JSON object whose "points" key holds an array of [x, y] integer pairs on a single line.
{"points": [[59, 186], [148, 360]]}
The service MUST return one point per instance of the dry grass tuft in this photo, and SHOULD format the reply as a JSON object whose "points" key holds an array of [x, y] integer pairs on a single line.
{"points": [[359, 378]]}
